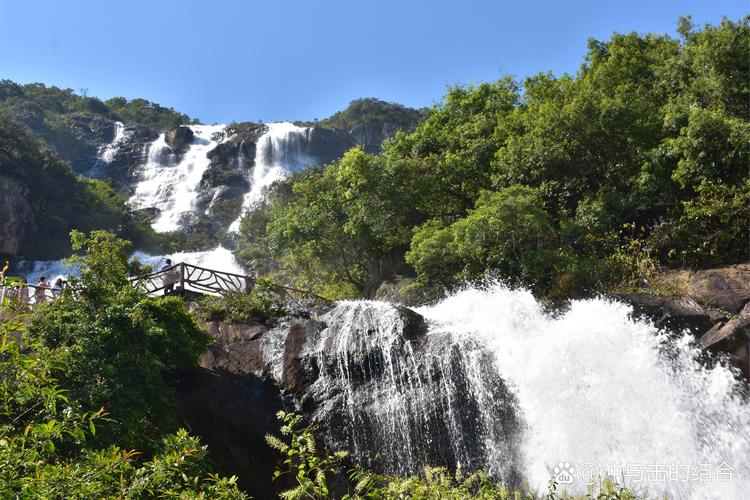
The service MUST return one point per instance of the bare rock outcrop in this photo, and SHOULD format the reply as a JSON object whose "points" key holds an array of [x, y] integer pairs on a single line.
{"points": [[16, 216]]}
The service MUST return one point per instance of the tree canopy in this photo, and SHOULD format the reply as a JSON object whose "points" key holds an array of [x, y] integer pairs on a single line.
{"points": [[562, 182]]}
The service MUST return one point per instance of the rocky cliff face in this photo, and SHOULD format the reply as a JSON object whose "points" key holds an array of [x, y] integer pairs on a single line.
{"points": [[371, 380], [16, 216]]}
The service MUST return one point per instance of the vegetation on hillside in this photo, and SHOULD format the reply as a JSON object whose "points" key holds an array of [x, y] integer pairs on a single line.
{"points": [[59, 199], [372, 110], [564, 184], [72, 124], [43, 108]]}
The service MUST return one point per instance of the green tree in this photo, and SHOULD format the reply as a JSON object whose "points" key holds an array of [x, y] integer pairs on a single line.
{"points": [[124, 347], [48, 443]]}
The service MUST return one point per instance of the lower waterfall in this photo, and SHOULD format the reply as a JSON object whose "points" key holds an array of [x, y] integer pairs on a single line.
{"points": [[496, 383]]}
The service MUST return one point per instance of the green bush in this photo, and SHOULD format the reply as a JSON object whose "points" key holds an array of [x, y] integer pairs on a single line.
{"points": [[123, 346], [536, 183], [261, 304], [48, 440]]}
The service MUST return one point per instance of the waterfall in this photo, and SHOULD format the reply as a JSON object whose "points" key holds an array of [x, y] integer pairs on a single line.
{"points": [[108, 152], [32, 270], [599, 392], [278, 152], [496, 383], [399, 401], [170, 182]]}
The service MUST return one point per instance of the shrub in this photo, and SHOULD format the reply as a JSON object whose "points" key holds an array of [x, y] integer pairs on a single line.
{"points": [[48, 443], [261, 303], [123, 346]]}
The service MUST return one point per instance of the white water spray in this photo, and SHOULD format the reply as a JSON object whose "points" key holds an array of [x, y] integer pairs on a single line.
{"points": [[172, 186], [279, 152], [607, 394]]}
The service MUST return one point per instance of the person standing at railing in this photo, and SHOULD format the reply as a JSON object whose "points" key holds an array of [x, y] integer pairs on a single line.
{"points": [[40, 293], [169, 278], [57, 288]]}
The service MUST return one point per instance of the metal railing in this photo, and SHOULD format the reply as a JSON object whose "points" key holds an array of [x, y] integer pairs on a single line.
{"points": [[178, 278], [32, 295], [184, 277]]}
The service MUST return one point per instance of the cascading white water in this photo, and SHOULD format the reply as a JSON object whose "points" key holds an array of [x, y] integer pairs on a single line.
{"points": [[601, 393], [170, 185], [32, 270], [108, 152], [278, 152], [398, 403]]}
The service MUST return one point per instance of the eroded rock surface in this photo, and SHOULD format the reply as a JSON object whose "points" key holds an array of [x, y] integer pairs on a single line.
{"points": [[371, 380]]}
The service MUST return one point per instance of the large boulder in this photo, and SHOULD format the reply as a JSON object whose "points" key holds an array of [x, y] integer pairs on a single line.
{"points": [[179, 138], [713, 304], [726, 287], [326, 145], [733, 338], [370, 379]]}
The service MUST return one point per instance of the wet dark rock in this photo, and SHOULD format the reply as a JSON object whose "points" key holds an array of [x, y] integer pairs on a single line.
{"points": [[370, 135], [124, 169], [415, 326], [684, 312], [326, 145], [298, 373], [732, 338], [254, 369]]}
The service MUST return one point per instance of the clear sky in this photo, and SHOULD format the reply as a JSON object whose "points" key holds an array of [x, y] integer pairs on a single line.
{"points": [[297, 60]]}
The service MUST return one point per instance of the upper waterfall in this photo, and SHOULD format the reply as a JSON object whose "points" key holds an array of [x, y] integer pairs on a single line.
{"points": [[281, 150], [170, 183]]}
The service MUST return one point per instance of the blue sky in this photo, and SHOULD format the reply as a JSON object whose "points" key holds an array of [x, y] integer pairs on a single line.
{"points": [[274, 60]]}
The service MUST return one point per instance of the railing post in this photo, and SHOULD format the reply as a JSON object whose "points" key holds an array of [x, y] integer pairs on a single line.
{"points": [[182, 277]]}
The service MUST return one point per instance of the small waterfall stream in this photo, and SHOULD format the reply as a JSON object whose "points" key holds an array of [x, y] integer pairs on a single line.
{"points": [[108, 152]]}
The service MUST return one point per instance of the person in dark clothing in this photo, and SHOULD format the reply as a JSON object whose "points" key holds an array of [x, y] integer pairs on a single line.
{"points": [[169, 277]]}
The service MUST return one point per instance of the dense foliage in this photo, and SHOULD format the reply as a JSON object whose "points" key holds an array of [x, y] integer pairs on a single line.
{"points": [[58, 199], [75, 125], [122, 346], [565, 183], [47, 110], [55, 442], [262, 303]]}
